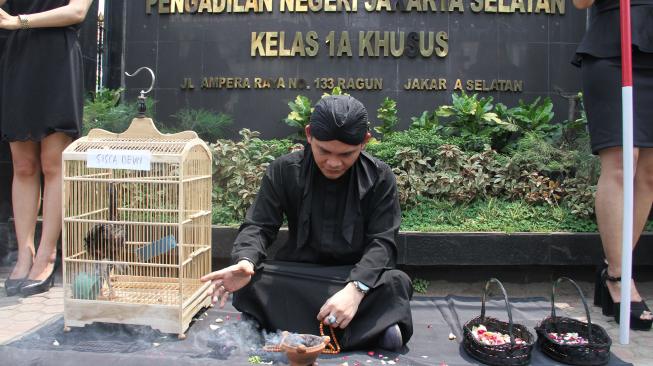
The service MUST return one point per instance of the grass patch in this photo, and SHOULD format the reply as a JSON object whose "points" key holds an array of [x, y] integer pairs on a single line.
{"points": [[493, 215], [420, 285], [484, 216]]}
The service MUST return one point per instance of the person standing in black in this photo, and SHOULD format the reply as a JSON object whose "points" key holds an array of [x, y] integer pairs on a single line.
{"points": [[41, 104], [337, 267], [599, 56]]}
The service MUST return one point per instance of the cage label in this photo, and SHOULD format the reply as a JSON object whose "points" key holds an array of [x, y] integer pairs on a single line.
{"points": [[119, 159]]}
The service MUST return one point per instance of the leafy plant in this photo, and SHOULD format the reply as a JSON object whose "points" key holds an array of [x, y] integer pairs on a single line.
{"points": [[209, 125], [579, 198], [420, 285], [255, 360], [104, 110], [573, 134], [493, 215], [534, 116], [300, 114], [528, 117], [425, 141], [427, 121], [335, 91], [446, 166], [238, 170], [387, 114], [534, 152], [471, 117], [412, 175]]}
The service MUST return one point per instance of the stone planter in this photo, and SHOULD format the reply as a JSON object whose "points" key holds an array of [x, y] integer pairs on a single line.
{"points": [[479, 249]]}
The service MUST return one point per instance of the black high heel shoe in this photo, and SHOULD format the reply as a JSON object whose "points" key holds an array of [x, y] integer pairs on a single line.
{"points": [[598, 282], [33, 287], [611, 308], [12, 286]]}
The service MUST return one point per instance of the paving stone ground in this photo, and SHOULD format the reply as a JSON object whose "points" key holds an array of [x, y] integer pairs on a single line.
{"points": [[19, 316]]}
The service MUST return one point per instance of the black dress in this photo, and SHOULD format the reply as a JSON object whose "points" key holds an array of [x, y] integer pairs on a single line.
{"points": [[599, 56], [41, 79], [338, 231]]}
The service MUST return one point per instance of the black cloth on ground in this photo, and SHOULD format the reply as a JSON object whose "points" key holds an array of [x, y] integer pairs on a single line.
{"points": [[109, 345]]}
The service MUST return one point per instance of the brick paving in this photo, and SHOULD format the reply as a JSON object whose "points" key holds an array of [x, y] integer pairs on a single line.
{"points": [[19, 316]]}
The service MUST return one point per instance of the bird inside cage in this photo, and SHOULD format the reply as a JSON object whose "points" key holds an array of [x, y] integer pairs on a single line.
{"points": [[106, 242]]}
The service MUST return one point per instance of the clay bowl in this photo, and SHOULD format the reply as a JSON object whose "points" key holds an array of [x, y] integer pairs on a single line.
{"points": [[303, 349]]}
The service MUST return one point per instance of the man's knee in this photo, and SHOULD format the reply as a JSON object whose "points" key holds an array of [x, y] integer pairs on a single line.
{"points": [[398, 281]]}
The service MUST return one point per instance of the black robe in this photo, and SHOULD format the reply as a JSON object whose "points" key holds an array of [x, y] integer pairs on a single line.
{"points": [[339, 231]]}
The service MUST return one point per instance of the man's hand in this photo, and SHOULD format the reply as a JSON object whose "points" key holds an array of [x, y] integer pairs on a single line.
{"points": [[343, 305], [8, 22], [228, 280]]}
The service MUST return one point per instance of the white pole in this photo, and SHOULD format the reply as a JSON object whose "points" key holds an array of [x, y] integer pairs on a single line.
{"points": [[627, 227]]}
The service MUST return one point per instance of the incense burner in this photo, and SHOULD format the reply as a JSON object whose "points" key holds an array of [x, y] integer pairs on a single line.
{"points": [[303, 349]]}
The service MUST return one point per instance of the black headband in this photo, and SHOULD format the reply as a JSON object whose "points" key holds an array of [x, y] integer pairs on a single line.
{"points": [[339, 117]]}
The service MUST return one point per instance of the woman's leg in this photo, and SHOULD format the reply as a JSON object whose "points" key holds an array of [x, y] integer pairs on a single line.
{"points": [[643, 200], [26, 197], [609, 212], [643, 191], [51, 149]]}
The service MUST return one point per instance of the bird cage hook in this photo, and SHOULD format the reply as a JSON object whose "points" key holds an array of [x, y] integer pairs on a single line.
{"points": [[141, 97]]}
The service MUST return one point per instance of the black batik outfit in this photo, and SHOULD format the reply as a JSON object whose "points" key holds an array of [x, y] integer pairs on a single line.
{"points": [[339, 231]]}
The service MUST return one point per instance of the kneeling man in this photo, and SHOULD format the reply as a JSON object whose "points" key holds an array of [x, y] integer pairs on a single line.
{"points": [[337, 267]]}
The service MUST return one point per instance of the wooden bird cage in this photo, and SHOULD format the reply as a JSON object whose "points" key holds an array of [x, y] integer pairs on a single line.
{"points": [[136, 227]]}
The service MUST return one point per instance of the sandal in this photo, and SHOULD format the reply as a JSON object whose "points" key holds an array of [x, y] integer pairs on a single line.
{"points": [[611, 308], [598, 282]]}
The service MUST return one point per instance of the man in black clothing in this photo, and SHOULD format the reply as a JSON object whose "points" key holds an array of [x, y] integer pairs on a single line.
{"points": [[337, 266]]}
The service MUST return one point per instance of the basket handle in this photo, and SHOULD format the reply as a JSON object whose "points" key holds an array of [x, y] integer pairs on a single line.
{"points": [[582, 297], [505, 297]]}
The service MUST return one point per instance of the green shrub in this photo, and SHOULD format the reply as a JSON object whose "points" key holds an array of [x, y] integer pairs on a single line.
{"points": [[104, 110], [427, 121], [300, 114], [534, 152], [238, 170], [334, 91], [420, 285], [471, 118], [493, 215], [276, 147], [530, 117], [544, 172], [209, 125], [387, 114], [425, 141]]}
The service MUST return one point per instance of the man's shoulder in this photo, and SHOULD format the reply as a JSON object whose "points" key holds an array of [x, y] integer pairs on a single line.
{"points": [[380, 165], [293, 159]]}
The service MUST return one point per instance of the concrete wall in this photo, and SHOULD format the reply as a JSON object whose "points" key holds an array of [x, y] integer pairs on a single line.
{"points": [[533, 48]]}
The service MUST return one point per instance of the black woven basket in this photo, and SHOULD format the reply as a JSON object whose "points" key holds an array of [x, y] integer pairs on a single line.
{"points": [[595, 352], [505, 354]]}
